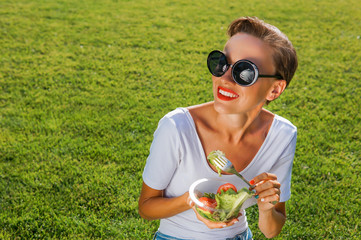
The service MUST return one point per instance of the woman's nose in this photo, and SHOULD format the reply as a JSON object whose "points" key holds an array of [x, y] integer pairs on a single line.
{"points": [[227, 76]]}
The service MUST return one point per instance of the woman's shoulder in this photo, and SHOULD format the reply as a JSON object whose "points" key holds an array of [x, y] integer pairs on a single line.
{"points": [[201, 111], [284, 123], [283, 130], [187, 113], [279, 121], [178, 118], [280, 127], [178, 112], [186, 118], [175, 116], [201, 108]]}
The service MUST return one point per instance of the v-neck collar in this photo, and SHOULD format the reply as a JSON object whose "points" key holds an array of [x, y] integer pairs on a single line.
{"points": [[202, 152]]}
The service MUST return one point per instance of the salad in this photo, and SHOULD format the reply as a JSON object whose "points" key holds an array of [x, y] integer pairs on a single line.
{"points": [[213, 155], [224, 205]]}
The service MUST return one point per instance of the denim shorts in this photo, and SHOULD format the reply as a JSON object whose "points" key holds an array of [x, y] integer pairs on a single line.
{"points": [[246, 235]]}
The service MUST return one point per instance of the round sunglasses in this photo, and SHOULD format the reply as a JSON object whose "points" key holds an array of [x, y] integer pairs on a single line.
{"points": [[244, 72]]}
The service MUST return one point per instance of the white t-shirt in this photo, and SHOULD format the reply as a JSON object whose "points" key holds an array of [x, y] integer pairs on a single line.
{"points": [[177, 159]]}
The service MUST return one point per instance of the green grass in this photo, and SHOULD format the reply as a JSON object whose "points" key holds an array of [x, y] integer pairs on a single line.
{"points": [[83, 85]]}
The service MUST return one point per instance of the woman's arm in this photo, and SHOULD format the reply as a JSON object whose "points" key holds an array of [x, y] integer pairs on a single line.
{"points": [[271, 222], [272, 216], [153, 205]]}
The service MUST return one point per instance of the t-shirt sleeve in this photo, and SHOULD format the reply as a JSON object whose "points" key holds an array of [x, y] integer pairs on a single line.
{"points": [[283, 169], [164, 157]]}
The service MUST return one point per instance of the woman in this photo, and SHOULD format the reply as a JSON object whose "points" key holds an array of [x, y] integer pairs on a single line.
{"points": [[254, 68]]}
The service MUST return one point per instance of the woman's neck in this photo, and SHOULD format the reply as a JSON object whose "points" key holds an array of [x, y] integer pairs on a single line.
{"points": [[236, 126]]}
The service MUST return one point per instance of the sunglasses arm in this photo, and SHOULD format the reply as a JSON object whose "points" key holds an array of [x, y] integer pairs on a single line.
{"points": [[270, 76]]}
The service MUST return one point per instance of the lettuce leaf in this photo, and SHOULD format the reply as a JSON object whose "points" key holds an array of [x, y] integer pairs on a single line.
{"points": [[228, 205], [212, 156]]}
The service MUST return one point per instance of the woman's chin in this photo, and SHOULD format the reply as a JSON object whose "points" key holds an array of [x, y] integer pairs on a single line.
{"points": [[225, 107]]}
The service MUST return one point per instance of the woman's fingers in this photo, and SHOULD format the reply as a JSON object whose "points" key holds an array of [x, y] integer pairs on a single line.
{"points": [[213, 225], [263, 177], [270, 195], [265, 185], [267, 188]]}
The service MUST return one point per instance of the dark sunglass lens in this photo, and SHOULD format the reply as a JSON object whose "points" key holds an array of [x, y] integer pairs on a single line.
{"points": [[244, 73], [217, 63]]}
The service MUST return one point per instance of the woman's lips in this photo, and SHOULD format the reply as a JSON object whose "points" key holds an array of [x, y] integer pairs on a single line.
{"points": [[226, 94]]}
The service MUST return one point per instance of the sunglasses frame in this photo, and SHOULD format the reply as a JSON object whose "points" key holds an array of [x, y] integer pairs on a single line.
{"points": [[254, 66]]}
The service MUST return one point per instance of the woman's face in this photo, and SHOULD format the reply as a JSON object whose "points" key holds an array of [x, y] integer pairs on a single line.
{"points": [[229, 97]]}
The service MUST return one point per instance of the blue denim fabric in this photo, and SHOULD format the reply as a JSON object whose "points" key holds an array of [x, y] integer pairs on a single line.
{"points": [[160, 236], [246, 235]]}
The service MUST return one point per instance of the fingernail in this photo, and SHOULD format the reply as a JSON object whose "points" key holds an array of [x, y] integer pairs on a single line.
{"points": [[224, 226], [251, 182]]}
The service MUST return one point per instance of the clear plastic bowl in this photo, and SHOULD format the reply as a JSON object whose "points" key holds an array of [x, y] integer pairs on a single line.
{"points": [[205, 185]]}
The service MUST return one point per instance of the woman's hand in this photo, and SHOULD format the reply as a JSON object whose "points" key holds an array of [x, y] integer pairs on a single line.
{"points": [[272, 213], [268, 190], [210, 224]]}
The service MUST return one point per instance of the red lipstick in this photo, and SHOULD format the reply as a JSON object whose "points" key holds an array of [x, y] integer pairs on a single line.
{"points": [[226, 94]]}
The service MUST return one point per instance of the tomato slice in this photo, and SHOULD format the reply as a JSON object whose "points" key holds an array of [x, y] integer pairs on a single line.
{"points": [[226, 187], [208, 202]]}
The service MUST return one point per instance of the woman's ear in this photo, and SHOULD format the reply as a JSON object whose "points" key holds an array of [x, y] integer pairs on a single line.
{"points": [[277, 88]]}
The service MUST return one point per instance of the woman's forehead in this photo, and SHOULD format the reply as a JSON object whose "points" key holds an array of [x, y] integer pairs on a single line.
{"points": [[245, 46]]}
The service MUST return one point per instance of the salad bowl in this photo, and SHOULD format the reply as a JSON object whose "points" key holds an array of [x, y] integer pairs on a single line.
{"points": [[217, 199]]}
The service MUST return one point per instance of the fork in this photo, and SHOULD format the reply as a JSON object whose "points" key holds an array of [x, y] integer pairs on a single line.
{"points": [[220, 161]]}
